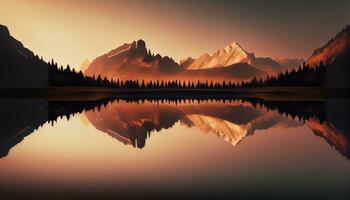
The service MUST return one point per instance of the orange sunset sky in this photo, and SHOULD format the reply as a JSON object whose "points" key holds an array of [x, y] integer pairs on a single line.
{"points": [[73, 31]]}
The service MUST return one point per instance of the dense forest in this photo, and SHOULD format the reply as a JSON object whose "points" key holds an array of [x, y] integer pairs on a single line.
{"points": [[303, 76], [67, 77]]}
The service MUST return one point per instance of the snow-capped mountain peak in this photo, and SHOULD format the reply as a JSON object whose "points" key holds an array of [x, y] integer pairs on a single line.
{"points": [[229, 55], [234, 46]]}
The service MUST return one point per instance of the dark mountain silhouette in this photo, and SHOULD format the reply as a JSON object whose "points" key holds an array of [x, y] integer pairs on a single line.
{"points": [[336, 54], [19, 67]]}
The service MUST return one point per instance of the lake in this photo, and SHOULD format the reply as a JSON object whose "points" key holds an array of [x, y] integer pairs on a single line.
{"points": [[171, 149]]}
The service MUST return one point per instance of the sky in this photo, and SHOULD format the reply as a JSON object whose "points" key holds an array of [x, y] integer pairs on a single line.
{"points": [[73, 31]]}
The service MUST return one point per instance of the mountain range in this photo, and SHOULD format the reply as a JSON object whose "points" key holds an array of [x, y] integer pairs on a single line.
{"points": [[229, 63], [134, 60], [230, 55], [21, 68]]}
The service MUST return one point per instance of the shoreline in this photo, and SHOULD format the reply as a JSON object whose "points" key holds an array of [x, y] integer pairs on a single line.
{"points": [[94, 93]]}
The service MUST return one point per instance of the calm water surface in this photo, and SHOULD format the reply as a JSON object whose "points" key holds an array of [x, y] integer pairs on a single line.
{"points": [[173, 150]]}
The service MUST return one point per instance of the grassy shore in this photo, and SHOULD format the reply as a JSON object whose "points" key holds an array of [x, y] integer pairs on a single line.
{"points": [[93, 93]]}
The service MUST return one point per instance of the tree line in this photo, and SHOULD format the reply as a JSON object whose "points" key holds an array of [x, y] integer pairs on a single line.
{"points": [[67, 77], [303, 76]]}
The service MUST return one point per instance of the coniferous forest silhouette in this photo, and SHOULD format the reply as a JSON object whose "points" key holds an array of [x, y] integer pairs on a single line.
{"points": [[154, 99], [303, 76]]}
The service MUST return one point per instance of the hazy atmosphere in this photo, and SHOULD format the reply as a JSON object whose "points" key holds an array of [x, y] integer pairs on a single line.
{"points": [[160, 99], [72, 31]]}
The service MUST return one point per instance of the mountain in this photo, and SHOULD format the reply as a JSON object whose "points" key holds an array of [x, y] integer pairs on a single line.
{"points": [[335, 50], [134, 61], [19, 67], [336, 54], [229, 55], [290, 63], [267, 65], [84, 65], [235, 72], [221, 120]]}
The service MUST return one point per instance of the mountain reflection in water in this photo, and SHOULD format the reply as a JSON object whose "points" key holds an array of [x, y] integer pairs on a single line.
{"points": [[132, 121], [144, 148]]}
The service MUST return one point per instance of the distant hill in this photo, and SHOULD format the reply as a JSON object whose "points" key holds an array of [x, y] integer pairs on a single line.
{"points": [[84, 65], [336, 54], [290, 63], [235, 72], [19, 67]]}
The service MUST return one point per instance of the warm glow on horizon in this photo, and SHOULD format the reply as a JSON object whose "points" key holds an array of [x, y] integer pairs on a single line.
{"points": [[174, 99], [73, 31]]}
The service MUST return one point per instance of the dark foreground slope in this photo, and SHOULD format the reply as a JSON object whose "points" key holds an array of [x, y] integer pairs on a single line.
{"points": [[335, 54], [19, 67]]}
